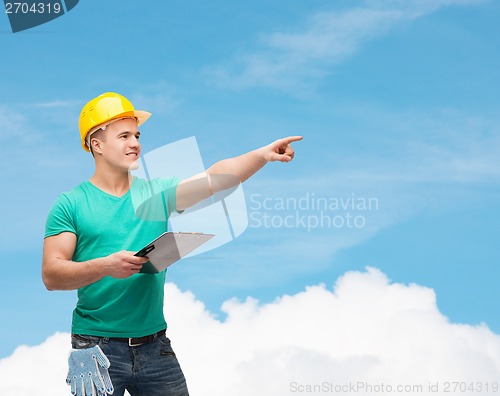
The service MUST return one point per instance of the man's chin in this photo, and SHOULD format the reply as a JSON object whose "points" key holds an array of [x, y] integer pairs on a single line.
{"points": [[134, 165]]}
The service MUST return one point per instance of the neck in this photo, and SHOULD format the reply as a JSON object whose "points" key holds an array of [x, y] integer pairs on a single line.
{"points": [[115, 183]]}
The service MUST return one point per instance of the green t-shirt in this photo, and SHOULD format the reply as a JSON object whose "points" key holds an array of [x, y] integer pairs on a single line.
{"points": [[105, 224]]}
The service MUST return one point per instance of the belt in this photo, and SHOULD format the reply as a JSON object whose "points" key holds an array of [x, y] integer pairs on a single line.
{"points": [[140, 340]]}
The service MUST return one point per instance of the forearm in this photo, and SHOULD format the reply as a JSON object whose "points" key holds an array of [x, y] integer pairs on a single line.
{"points": [[230, 172], [241, 167], [60, 274]]}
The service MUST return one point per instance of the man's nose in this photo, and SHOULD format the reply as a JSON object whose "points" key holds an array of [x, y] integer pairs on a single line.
{"points": [[134, 142]]}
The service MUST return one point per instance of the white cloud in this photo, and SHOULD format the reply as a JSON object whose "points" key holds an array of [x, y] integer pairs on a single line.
{"points": [[39, 370], [290, 60], [365, 330]]}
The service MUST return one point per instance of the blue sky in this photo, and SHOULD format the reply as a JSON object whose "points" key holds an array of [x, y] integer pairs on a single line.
{"points": [[396, 100]]}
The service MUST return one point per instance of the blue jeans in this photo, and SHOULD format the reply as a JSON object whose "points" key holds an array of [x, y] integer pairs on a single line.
{"points": [[149, 369]]}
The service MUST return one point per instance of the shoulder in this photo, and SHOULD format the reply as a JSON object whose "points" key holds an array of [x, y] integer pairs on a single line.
{"points": [[72, 196], [61, 217]]}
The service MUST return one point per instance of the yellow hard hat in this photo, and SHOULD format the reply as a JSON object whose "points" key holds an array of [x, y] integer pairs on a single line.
{"points": [[105, 109]]}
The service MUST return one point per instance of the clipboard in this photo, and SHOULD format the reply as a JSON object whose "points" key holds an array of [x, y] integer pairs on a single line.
{"points": [[170, 247]]}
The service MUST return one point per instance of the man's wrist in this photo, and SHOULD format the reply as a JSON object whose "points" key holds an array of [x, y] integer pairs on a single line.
{"points": [[262, 155], [98, 267]]}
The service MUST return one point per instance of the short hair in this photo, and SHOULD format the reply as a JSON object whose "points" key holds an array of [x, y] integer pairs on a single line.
{"points": [[99, 134]]}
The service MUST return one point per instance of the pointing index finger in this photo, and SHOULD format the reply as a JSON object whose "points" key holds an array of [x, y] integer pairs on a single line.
{"points": [[290, 139]]}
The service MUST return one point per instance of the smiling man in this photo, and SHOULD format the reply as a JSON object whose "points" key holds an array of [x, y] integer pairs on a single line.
{"points": [[92, 232]]}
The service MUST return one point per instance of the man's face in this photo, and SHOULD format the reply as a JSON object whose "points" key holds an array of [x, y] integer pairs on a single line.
{"points": [[120, 145]]}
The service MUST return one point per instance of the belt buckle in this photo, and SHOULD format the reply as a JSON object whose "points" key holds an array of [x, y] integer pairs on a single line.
{"points": [[130, 344]]}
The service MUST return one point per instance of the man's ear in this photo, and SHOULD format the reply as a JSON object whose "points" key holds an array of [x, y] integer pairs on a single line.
{"points": [[95, 145]]}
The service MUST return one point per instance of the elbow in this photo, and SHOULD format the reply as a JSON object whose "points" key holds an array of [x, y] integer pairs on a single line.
{"points": [[49, 285], [48, 280]]}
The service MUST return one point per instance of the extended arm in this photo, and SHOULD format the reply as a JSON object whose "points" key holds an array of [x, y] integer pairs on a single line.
{"points": [[60, 273], [229, 172]]}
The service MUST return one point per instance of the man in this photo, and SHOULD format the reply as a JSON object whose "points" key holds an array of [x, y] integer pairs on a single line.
{"points": [[92, 233]]}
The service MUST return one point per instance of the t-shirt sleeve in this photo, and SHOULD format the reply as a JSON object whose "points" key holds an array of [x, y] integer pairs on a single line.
{"points": [[60, 218], [170, 192], [167, 187]]}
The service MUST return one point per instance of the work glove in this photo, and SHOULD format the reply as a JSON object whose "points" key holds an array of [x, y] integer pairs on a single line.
{"points": [[88, 372]]}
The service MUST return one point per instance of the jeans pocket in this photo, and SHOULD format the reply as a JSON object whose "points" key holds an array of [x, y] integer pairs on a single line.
{"points": [[167, 352], [83, 342], [166, 348]]}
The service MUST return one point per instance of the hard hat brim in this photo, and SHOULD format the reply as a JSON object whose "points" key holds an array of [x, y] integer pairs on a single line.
{"points": [[141, 116]]}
